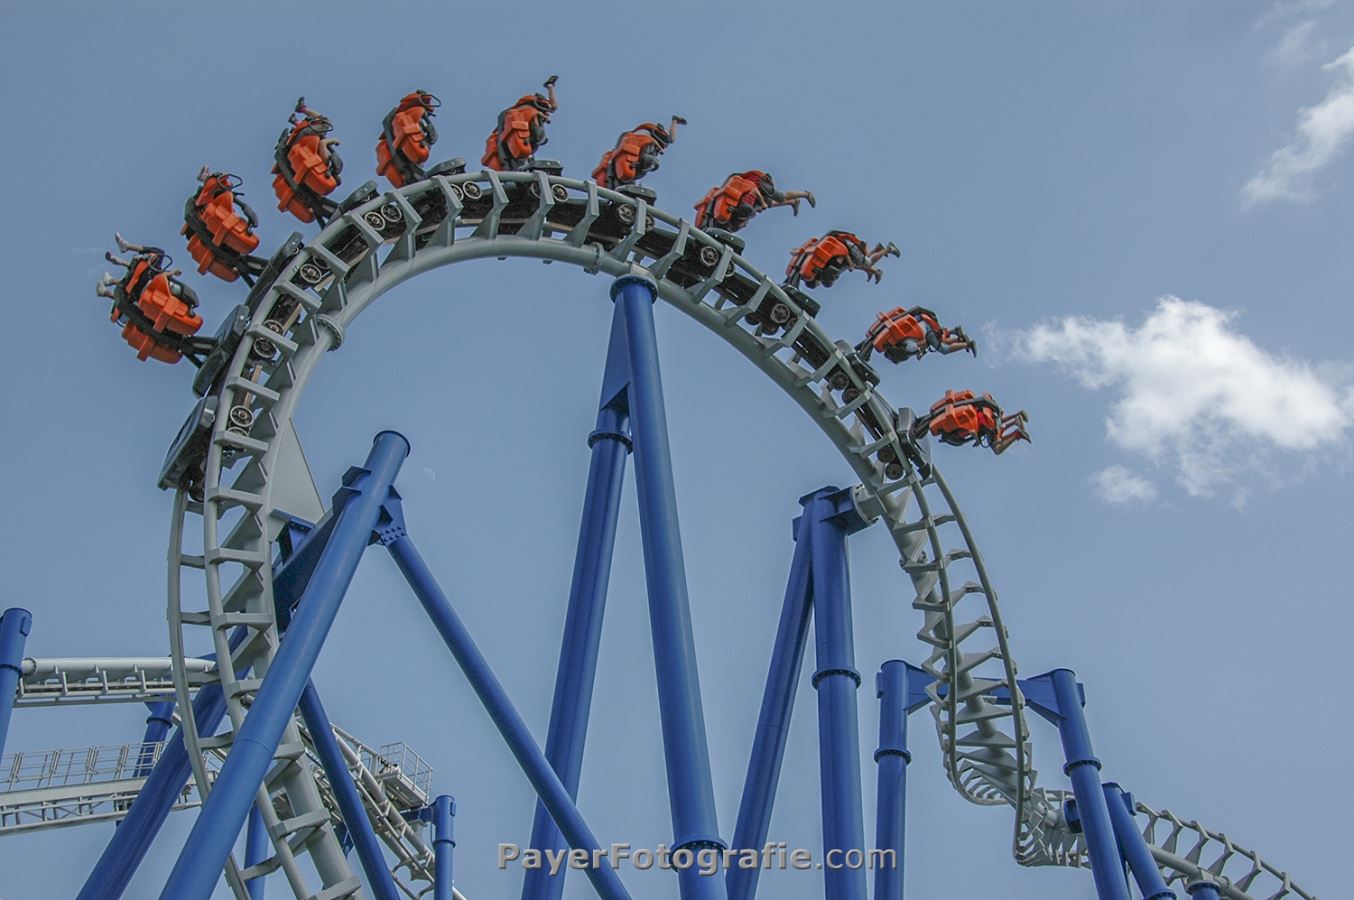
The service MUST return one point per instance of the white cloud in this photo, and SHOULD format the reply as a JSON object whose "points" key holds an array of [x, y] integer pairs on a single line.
{"points": [[1297, 45], [1286, 9], [1196, 395], [1117, 484], [1323, 132]]}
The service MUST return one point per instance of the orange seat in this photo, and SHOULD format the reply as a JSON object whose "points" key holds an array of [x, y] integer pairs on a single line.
{"points": [[166, 314], [309, 169], [602, 174], [959, 415], [410, 143], [623, 160], [894, 327], [816, 254], [513, 136], [716, 207], [214, 211], [147, 347]]}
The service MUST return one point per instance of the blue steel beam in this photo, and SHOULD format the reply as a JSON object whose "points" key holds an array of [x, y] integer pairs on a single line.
{"points": [[155, 800], [358, 506], [577, 673], [137, 830], [1057, 697], [901, 689], [444, 843], [1202, 890], [686, 751], [773, 722], [496, 703], [257, 846], [831, 514], [15, 623], [345, 792], [1134, 845], [158, 723]]}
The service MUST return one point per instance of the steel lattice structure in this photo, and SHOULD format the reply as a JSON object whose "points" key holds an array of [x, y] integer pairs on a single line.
{"points": [[978, 702]]}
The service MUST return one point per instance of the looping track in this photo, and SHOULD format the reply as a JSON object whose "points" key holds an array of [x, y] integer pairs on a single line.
{"points": [[370, 249]]}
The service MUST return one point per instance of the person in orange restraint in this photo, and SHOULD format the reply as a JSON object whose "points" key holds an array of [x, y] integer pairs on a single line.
{"points": [[961, 418], [521, 131], [306, 167], [407, 138], [155, 309], [635, 154], [732, 204], [902, 334], [220, 228], [821, 260]]}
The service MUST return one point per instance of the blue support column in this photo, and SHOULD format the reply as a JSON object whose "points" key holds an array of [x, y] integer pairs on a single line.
{"points": [[686, 751], [832, 516], [901, 689], [577, 673], [357, 509], [158, 723], [444, 843], [773, 722], [495, 700], [1202, 890], [137, 830], [1057, 696], [257, 847], [1134, 845], [15, 623], [364, 839]]}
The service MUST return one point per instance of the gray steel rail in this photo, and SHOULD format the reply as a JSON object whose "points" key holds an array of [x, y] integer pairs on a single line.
{"points": [[68, 682], [443, 220]]}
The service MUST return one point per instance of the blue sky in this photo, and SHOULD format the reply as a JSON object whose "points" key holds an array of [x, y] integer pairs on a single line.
{"points": [[1143, 209]]}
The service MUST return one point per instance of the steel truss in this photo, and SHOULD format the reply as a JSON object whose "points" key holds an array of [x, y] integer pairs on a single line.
{"points": [[969, 678], [447, 219]]}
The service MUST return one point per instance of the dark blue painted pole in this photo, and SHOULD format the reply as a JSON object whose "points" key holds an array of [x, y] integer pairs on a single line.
{"points": [[495, 700], [364, 839], [158, 723], [1083, 769], [577, 673], [1134, 845], [892, 759], [773, 723], [1202, 890], [15, 623], [686, 751], [444, 843], [836, 682], [257, 846], [204, 854], [153, 803]]}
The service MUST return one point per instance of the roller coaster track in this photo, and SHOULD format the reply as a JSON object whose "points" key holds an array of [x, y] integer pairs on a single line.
{"points": [[67, 682], [370, 249]]}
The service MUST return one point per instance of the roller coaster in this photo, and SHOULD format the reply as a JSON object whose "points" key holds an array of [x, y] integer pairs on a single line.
{"points": [[273, 564]]}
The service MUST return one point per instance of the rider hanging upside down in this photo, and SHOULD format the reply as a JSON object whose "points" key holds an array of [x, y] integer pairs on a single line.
{"points": [[521, 131], [154, 308], [635, 154], [960, 418], [306, 166], [902, 334], [407, 138], [821, 260], [742, 195], [220, 239]]}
